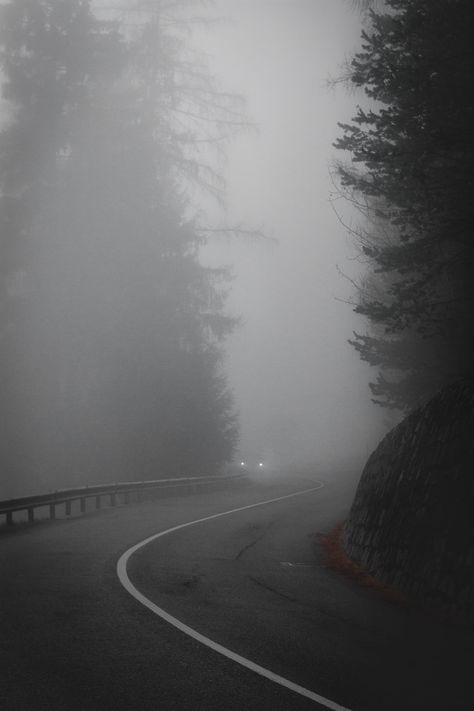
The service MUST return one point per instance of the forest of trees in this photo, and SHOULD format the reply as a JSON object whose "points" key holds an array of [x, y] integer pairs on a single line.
{"points": [[111, 329], [411, 175]]}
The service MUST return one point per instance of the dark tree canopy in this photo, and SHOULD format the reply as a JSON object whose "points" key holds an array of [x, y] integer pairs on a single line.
{"points": [[412, 163], [111, 328]]}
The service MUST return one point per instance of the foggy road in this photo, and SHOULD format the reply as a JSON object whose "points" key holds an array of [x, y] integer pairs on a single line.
{"points": [[233, 232], [253, 581]]}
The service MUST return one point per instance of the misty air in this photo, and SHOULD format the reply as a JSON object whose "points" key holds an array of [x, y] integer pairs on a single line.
{"points": [[236, 355]]}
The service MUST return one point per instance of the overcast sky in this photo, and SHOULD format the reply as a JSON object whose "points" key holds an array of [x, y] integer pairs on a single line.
{"points": [[301, 389]]}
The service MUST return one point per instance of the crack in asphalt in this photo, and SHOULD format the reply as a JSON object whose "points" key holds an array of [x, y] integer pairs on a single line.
{"points": [[254, 542], [272, 589]]}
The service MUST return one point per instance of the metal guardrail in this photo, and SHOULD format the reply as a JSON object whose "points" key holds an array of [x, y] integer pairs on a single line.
{"points": [[114, 492]]}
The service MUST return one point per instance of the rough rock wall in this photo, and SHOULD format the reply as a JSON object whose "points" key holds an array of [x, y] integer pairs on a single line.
{"points": [[412, 520]]}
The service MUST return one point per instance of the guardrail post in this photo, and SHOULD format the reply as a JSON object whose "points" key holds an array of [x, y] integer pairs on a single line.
{"points": [[132, 492]]}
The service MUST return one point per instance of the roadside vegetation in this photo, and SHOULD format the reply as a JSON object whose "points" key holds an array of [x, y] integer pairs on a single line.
{"points": [[111, 329], [411, 177]]}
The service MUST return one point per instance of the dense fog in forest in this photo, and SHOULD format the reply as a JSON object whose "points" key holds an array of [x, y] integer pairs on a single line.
{"points": [[301, 389], [175, 268]]}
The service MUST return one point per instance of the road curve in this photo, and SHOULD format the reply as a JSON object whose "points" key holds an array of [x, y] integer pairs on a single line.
{"points": [[74, 639], [211, 644]]}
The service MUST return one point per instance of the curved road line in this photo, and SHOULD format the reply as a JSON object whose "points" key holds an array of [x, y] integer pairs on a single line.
{"points": [[128, 585]]}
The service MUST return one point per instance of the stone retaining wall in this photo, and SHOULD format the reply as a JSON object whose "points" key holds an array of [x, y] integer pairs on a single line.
{"points": [[412, 520]]}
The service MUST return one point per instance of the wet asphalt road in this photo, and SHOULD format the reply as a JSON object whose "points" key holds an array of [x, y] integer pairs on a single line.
{"points": [[72, 638]]}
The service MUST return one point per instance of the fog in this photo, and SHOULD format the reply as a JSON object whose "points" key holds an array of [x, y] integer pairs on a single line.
{"points": [[114, 322], [301, 390]]}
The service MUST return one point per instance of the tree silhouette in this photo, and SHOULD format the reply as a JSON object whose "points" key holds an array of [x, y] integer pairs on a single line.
{"points": [[412, 151], [111, 328]]}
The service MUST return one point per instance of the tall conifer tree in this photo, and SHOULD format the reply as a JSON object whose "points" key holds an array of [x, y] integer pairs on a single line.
{"points": [[412, 152], [111, 329]]}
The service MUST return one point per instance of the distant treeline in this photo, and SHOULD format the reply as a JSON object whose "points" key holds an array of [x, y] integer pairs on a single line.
{"points": [[411, 175], [110, 327]]}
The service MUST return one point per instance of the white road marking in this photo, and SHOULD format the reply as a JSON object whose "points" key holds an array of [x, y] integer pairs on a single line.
{"points": [[128, 585], [287, 564]]}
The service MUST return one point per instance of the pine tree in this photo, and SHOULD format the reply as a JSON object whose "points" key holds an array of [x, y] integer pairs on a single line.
{"points": [[412, 150], [113, 346]]}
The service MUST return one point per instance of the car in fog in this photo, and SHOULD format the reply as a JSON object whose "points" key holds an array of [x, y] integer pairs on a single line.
{"points": [[251, 465]]}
